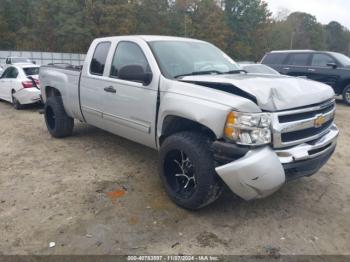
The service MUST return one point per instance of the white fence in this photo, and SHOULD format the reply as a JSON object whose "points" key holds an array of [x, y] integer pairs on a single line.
{"points": [[44, 58]]}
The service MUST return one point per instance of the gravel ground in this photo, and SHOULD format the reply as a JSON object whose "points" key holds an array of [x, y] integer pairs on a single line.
{"points": [[95, 193]]}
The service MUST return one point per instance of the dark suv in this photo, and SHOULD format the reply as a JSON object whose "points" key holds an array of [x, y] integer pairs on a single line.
{"points": [[327, 67]]}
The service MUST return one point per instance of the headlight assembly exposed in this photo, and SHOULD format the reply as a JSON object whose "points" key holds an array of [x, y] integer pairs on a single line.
{"points": [[251, 129]]}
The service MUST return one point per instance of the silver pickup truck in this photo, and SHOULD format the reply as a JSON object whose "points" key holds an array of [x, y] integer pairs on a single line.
{"points": [[212, 123]]}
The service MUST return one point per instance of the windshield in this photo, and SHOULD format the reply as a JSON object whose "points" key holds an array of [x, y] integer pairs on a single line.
{"points": [[343, 59], [177, 58], [20, 60], [31, 71]]}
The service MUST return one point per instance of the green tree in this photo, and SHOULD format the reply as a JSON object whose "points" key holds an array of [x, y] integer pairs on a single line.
{"points": [[152, 17], [306, 33], [247, 19], [208, 23], [337, 37], [243, 28]]}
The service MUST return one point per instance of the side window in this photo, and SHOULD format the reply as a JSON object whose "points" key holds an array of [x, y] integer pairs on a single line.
{"points": [[274, 59], [128, 53], [10, 72], [13, 73], [99, 58], [321, 60], [6, 72], [298, 59]]}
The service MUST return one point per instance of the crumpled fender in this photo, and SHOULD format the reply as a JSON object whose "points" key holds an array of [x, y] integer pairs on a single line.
{"points": [[256, 175]]}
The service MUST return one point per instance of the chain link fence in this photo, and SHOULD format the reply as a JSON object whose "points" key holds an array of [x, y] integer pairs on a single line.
{"points": [[44, 58]]}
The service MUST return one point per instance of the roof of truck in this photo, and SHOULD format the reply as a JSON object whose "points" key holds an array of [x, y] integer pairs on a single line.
{"points": [[150, 38]]}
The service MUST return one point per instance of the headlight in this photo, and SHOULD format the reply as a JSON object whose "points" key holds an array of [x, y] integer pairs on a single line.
{"points": [[248, 128]]}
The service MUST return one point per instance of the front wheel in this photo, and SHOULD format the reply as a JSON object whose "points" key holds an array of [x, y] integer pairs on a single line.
{"points": [[187, 170], [57, 121], [346, 95]]}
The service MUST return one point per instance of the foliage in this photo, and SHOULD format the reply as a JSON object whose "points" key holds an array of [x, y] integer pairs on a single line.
{"points": [[242, 28]]}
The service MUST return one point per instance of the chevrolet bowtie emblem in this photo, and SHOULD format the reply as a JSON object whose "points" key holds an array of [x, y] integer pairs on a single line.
{"points": [[319, 121]]}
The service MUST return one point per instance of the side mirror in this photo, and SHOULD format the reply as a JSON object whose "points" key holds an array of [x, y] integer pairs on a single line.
{"points": [[34, 62], [333, 65], [135, 73]]}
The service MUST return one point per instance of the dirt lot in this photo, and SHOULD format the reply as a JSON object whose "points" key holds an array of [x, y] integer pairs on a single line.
{"points": [[96, 193]]}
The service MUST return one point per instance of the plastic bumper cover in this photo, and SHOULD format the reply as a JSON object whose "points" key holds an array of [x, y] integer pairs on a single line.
{"points": [[263, 171], [28, 96]]}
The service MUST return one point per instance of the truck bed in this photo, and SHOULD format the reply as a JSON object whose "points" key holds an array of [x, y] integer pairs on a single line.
{"points": [[66, 78], [65, 66]]}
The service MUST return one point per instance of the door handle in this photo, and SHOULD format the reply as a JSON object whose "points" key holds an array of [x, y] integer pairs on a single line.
{"points": [[311, 70], [286, 68], [110, 89]]}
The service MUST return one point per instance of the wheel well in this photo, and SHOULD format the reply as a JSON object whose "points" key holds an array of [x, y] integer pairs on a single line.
{"points": [[51, 91], [175, 124], [346, 83]]}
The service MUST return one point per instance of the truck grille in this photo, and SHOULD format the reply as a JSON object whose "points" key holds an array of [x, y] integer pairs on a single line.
{"points": [[302, 125], [305, 115]]}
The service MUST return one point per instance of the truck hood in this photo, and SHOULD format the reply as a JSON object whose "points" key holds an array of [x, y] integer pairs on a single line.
{"points": [[270, 92]]}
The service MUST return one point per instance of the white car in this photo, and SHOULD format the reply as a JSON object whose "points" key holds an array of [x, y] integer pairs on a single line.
{"points": [[19, 85], [18, 60]]}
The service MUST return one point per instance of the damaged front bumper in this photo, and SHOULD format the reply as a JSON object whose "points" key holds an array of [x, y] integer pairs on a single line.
{"points": [[260, 172]]}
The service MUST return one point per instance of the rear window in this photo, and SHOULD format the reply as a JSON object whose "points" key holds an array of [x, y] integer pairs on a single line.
{"points": [[274, 59], [31, 71], [99, 59], [298, 59]]}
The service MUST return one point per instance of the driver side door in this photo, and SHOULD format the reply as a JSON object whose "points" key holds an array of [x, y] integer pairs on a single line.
{"points": [[129, 107], [321, 72]]}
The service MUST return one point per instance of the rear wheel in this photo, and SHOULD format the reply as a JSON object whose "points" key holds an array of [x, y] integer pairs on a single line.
{"points": [[16, 104], [57, 121], [187, 170], [346, 95]]}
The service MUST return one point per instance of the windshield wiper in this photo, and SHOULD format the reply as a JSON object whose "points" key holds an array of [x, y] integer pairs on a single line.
{"points": [[238, 71], [201, 73], [213, 72]]}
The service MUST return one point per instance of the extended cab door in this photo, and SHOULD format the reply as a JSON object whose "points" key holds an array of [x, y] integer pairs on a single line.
{"points": [[129, 107], [320, 71], [93, 82]]}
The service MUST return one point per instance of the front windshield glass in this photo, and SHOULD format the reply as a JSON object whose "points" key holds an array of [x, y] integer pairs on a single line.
{"points": [[343, 59], [178, 58]]}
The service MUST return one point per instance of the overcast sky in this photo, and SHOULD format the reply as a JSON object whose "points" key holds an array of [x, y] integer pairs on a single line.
{"points": [[324, 10]]}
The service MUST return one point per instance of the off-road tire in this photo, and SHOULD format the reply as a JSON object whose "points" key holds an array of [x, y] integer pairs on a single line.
{"points": [[58, 123], [196, 146]]}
